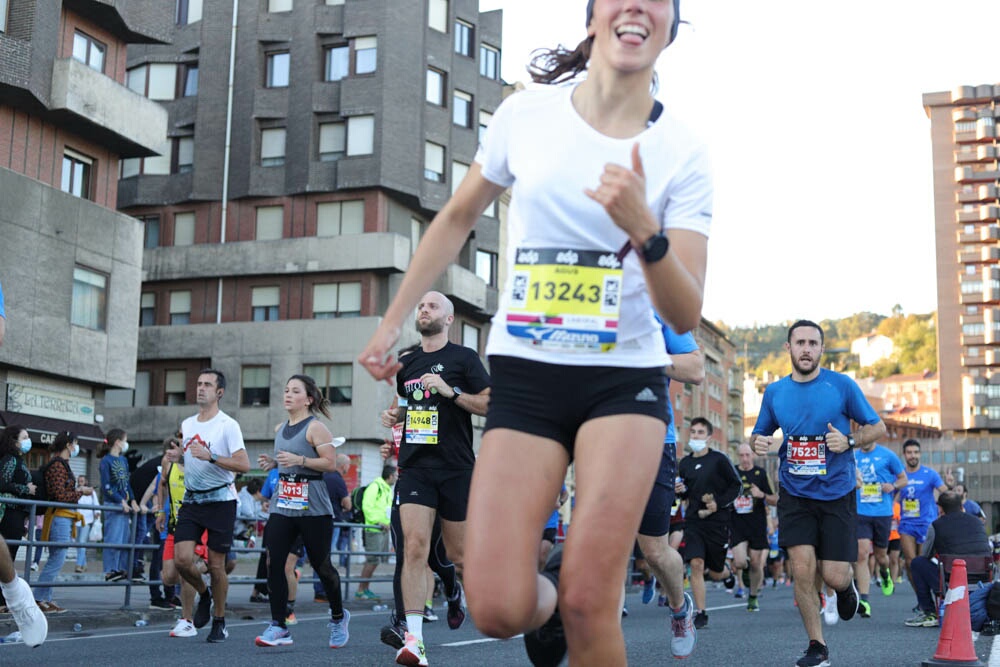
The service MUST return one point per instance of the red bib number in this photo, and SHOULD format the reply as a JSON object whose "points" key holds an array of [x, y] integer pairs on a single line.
{"points": [[806, 454], [293, 495], [743, 504]]}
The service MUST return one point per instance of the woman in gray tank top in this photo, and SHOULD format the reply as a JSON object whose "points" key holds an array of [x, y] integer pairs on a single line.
{"points": [[303, 450]]}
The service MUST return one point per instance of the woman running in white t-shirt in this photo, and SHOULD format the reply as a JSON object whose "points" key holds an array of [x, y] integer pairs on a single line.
{"points": [[609, 217]]}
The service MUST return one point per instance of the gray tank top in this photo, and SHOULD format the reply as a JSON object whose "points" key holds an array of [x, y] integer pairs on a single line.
{"points": [[301, 491]]}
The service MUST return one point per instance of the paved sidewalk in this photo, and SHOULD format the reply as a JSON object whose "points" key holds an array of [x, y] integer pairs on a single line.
{"points": [[104, 606]]}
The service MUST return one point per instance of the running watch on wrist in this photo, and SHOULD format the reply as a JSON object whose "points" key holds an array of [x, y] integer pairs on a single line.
{"points": [[212, 459], [458, 392], [851, 442], [655, 248]]}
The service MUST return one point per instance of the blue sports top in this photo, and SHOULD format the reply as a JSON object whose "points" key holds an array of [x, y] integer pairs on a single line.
{"points": [[877, 466], [916, 499]]}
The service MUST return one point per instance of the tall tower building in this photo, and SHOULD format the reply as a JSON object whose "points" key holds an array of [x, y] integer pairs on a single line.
{"points": [[70, 264], [966, 214], [309, 145]]}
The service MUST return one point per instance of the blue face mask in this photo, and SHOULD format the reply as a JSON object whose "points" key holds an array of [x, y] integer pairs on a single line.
{"points": [[26, 445]]}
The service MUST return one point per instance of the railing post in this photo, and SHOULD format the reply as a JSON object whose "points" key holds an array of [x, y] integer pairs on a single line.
{"points": [[133, 527], [29, 551]]}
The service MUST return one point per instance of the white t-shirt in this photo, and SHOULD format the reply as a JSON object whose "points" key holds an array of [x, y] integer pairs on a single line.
{"points": [[222, 435], [539, 144], [86, 503]]}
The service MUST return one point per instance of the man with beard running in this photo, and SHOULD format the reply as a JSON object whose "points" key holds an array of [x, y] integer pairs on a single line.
{"points": [[814, 407], [750, 524], [440, 386], [917, 503]]}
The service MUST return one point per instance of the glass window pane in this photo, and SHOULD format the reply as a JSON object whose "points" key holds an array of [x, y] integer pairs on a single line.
{"points": [[470, 336], [337, 61], [175, 381], [461, 113], [350, 298], [484, 120], [130, 167], [89, 303], [272, 147], [328, 218], [279, 5], [180, 301], [435, 87], [80, 43], [277, 69], [194, 10], [162, 81], [185, 154], [332, 140], [270, 223], [360, 135], [265, 296], [183, 229], [135, 79], [191, 81], [433, 161], [148, 300], [458, 172], [352, 219], [324, 301], [365, 54], [437, 15]]}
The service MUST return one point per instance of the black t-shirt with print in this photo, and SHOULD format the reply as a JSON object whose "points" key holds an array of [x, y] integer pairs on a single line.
{"points": [[438, 432]]}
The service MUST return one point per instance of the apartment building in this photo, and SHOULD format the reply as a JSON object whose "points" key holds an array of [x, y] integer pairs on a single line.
{"points": [[308, 146], [70, 264], [966, 216]]}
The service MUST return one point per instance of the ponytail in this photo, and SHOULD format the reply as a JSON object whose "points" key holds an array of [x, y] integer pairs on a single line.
{"points": [[559, 64]]}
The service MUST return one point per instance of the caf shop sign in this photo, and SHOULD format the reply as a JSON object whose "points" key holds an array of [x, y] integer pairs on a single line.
{"points": [[46, 403]]}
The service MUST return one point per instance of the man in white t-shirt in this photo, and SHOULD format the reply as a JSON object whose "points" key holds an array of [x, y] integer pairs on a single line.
{"points": [[213, 453]]}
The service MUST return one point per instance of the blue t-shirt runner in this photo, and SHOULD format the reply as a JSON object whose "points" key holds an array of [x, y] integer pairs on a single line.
{"points": [[876, 467], [918, 507]]}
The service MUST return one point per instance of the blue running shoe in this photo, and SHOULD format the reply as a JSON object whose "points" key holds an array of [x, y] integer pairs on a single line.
{"points": [[338, 631], [649, 590], [274, 635]]}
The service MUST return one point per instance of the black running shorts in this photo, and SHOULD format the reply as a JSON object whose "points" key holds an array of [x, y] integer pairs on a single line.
{"points": [[445, 490], [875, 528], [656, 518], [553, 401], [217, 518], [827, 525], [750, 528], [707, 540]]}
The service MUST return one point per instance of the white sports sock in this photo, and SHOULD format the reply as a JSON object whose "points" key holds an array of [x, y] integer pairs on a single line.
{"points": [[13, 591], [415, 624]]}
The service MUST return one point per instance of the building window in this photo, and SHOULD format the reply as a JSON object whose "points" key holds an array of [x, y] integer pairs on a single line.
{"points": [[188, 11], [270, 223], [184, 229], [157, 81], [486, 267], [433, 162], [416, 231], [464, 38], [332, 300], [360, 135], [461, 109], [470, 337], [77, 172], [256, 386], [333, 380], [90, 299], [435, 87], [147, 309], [264, 303], [189, 80], [272, 147], [3, 15], [437, 15], [338, 60], [489, 62], [89, 51], [175, 387], [365, 54], [458, 172], [332, 141], [484, 120], [277, 69], [180, 307], [339, 218], [183, 155], [150, 231], [279, 6]]}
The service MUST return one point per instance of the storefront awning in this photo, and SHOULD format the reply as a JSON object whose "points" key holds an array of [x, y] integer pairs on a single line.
{"points": [[43, 430]]}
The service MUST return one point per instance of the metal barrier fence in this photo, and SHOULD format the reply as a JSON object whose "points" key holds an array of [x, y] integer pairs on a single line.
{"points": [[32, 544]]}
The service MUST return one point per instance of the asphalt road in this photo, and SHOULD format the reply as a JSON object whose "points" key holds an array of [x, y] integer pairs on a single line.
{"points": [[774, 636]]}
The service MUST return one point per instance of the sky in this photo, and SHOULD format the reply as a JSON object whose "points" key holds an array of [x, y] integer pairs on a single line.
{"points": [[820, 143]]}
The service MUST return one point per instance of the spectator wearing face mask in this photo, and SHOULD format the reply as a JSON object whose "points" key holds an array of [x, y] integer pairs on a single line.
{"points": [[115, 489], [15, 482]]}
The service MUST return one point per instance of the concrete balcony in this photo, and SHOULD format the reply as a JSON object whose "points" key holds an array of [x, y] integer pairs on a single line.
{"points": [[982, 193], [978, 339], [985, 255], [98, 106], [971, 298], [986, 131], [989, 213], [973, 361], [966, 137], [464, 285], [963, 115], [976, 422], [987, 234], [967, 318], [969, 175], [974, 154], [385, 253], [972, 94]]}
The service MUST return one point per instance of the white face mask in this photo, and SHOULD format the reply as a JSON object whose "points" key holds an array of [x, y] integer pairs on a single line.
{"points": [[697, 445], [74, 450], [124, 447], [26, 445]]}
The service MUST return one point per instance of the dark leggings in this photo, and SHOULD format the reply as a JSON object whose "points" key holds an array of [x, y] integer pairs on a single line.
{"points": [[437, 559], [315, 532], [12, 528]]}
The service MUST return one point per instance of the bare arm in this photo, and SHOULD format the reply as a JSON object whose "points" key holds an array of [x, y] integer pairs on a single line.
{"points": [[439, 247], [688, 368], [474, 403], [870, 433]]}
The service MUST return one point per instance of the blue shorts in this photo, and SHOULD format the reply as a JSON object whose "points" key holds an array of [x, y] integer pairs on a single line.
{"points": [[656, 518], [914, 529]]}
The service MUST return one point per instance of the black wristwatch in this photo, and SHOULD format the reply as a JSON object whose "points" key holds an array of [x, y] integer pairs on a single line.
{"points": [[212, 459], [458, 392], [851, 442], [655, 248]]}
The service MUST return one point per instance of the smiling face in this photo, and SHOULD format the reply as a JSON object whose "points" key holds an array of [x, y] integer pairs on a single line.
{"points": [[630, 34]]}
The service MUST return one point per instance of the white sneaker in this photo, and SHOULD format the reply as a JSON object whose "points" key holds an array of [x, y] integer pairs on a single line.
{"points": [[29, 618], [830, 615], [184, 628]]}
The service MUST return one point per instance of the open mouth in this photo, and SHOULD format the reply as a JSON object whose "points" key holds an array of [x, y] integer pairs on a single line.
{"points": [[632, 33]]}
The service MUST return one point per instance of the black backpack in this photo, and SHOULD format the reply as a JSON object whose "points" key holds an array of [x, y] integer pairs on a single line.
{"points": [[38, 479], [357, 497]]}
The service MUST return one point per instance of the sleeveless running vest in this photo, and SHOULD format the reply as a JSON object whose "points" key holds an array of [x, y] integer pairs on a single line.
{"points": [[301, 491]]}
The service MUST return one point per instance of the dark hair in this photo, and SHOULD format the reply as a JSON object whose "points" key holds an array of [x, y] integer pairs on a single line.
{"points": [[805, 323], [8, 440], [387, 471], [320, 403], [220, 378], [707, 424], [559, 64], [254, 485], [62, 441], [963, 491], [113, 436], [950, 502], [911, 443]]}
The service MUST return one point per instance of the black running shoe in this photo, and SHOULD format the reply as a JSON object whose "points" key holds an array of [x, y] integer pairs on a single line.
{"points": [[730, 581], [393, 633], [203, 613], [456, 608], [219, 632], [700, 619], [546, 646], [847, 603], [816, 655]]}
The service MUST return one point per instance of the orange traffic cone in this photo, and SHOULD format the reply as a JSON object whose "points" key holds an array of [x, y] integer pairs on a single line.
{"points": [[955, 643]]}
